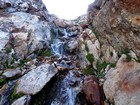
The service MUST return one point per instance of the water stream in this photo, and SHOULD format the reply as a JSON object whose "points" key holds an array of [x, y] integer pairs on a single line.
{"points": [[70, 85]]}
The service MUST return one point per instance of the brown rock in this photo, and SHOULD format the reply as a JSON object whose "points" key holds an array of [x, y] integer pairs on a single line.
{"points": [[123, 83], [117, 23], [92, 90]]}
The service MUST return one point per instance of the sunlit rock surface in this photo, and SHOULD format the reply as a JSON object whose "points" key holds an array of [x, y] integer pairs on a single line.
{"points": [[36, 79], [25, 100], [122, 84]]}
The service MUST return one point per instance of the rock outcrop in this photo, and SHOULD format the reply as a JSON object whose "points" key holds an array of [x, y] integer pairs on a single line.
{"points": [[23, 26], [123, 83], [36, 79], [117, 23]]}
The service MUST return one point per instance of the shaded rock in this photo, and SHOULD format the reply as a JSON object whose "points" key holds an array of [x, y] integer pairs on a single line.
{"points": [[5, 93], [11, 73], [72, 46], [117, 23], [36, 79], [25, 100], [92, 90], [3, 59], [123, 83]]}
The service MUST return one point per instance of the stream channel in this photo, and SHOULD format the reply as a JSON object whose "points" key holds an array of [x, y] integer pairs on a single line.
{"points": [[65, 86]]}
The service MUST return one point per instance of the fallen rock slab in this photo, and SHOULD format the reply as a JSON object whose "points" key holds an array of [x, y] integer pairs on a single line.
{"points": [[123, 83], [36, 79]]}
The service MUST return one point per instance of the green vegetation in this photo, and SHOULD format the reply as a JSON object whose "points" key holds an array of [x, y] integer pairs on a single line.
{"points": [[89, 70], [14, 95], [2, 80], [8, 49], [94, 30], [127, 53], [45, 52], [52, 35], [90, 58], [22, 62], [86, 47], [100, 69]]}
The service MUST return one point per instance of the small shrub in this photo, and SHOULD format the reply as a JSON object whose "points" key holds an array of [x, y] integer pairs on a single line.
{"points": [[86, 47], [8, 49], [90, 58], [45, 53], [88, 70], [94, 30]]}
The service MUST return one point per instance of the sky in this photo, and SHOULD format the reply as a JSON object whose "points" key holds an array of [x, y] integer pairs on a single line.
{"points": [[67, 9]]}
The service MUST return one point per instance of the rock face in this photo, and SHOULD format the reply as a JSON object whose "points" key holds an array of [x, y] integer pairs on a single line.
{"points": [[117, 23], [23, 100], [123, 83], [23, 26], [36, 79], [92, 90]]}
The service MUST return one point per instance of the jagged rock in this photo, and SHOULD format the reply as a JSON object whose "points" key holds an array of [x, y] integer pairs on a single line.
{"points": [[123, 83], [36, 79], [25, 100], [11, 73], [92, 90], [72, 46], [117, 23], [24, 26]]}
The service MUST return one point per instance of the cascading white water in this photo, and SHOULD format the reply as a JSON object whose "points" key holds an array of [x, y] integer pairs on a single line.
{"points": [[69, 86], [67, 90]]}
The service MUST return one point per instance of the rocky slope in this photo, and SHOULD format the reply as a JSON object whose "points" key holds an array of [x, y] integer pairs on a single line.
{"points": [[116, 26], [92, 60]]}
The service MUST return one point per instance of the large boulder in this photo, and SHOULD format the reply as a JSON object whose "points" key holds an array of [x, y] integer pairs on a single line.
{"points": [[123, 83], [117, 23], [36, 79], [92, 90]]}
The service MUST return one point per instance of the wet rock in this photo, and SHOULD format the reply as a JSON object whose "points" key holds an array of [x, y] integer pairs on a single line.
{"points": [[25, 100], [11, 73], [36, 79], [122, 84], [92, 90]]}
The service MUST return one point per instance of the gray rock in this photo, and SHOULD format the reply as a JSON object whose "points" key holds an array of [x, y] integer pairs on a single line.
{"points": [[72, 45], [23, 25], [25, 100], [36, 79], [11, 73]]}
